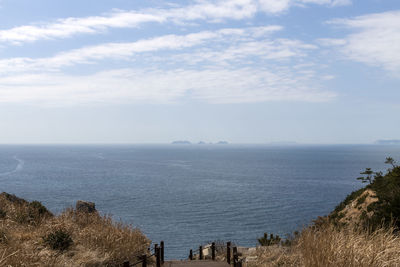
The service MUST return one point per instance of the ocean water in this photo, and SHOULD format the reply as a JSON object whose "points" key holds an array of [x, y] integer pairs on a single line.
{"points": [[191, 194]]}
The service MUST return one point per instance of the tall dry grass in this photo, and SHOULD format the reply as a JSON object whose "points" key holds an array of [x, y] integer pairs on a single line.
{"points": [[329, 246], [96, 240]]}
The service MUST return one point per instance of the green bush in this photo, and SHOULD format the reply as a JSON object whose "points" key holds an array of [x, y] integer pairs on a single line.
{"points": [[387, 209], [36, 212], [38, 207], [58, 240]]}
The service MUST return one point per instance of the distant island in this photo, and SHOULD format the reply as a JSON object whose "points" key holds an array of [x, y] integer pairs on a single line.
{"points": [[388, 142], [184, 142], [222, 143]]}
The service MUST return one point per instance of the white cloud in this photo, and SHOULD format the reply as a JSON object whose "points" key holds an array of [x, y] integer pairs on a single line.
{"points": [[64, 28], [341, 2], [375, 40], [331, 41], [231, 65], [247, 52], [209, 11], [331, 3], [123, 51], [273, 6], [205, 74], [215, 85]]}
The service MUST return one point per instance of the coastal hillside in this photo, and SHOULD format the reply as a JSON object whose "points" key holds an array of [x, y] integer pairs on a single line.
{"points": [[361, 231], [376, 204], [30, 235]]}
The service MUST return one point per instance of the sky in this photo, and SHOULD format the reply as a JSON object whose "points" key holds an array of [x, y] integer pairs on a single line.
{"points": [[245, 71]]}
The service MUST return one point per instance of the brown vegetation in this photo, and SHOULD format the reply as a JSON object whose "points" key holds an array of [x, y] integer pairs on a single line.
{"points": [[31, 236], [332, 246], [363, 230], [354, 211]]}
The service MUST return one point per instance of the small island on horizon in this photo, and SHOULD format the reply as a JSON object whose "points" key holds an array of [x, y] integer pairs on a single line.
{"points": [[185, 142], [388, 142], [181, 142]]}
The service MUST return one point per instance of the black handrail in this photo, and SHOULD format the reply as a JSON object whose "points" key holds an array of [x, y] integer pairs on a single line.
{"points": [[158, 253], [213, 252], [232, 255]]}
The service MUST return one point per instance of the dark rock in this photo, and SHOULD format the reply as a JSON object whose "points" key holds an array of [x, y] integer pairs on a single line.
{"points": [[86, 207]]}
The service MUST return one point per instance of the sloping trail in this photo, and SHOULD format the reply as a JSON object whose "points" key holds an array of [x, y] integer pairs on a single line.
{"points": [[202, 263]]}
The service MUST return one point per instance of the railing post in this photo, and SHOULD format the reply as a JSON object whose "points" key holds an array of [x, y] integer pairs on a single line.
{"points": [[228, 252], [213, 251], [200, 252], [158, 257], [191, 254], [144, 260], [162, 251], [235, 257]]}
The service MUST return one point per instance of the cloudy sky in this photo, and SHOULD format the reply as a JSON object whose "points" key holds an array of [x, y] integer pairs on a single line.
{"points": [[246, 71]]}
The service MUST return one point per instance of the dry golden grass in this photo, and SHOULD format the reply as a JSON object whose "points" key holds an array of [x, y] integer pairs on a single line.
{"points": [[276, 256], [330, 246], [97, 240], [352, 212]]}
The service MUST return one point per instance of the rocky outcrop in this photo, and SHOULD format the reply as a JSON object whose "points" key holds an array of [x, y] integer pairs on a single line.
{"points": [[85, 207]]}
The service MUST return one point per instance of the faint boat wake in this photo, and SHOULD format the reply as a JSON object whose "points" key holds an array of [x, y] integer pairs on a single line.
{"points": [[18, 168], [178, 164]]}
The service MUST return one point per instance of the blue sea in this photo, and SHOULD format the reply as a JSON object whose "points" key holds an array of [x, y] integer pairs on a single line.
{"points": [[188, 195]]}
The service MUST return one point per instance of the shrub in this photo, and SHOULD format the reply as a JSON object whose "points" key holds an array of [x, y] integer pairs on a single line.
{"points": [[387, 209], [36, 212], [20, 215], [2, 214], [38, 207], [58, 240], [3, 236], [272, 240]]}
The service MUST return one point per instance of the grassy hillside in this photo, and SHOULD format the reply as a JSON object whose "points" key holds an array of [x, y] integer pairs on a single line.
{"points": [[378, 202], [31, 236], [363, 230], [332, 246]]}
